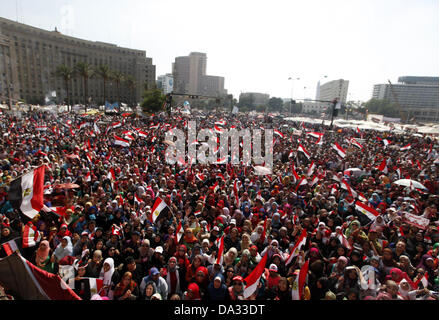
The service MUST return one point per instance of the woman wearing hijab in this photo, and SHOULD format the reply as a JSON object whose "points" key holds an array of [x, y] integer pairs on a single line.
{"points": [[217, 290], [375, 200], [192, 293], [7, 234], [172, 277], [108, 273], [183, 264], [43, 258], [126, 289], [427, 264], [189, 239], [64, 249], [354, 231], [192, 269], [202, 280], [150, 290]]}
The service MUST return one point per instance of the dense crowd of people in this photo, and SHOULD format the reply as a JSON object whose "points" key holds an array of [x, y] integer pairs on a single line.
{"points": [[98, 198]]}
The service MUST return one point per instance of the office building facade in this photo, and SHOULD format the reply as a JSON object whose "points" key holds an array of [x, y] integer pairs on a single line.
{"points": [[165, 83], [336, 89], [190, 77], [418, 97], [30, 56]]}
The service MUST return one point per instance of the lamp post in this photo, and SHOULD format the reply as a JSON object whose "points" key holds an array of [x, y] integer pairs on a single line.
{"points": [[292, 88]]}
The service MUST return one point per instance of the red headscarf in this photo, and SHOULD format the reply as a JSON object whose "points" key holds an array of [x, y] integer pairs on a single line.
{"points": [[195, 291]]}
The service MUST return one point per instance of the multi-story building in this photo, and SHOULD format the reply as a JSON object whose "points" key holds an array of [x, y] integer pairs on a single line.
{"points": [[165, 83], [315, 107], [190, 77], [418, 97], [29, 57], [336, 89]]}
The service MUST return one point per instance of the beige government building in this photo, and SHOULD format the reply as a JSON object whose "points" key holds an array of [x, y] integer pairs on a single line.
{"points": [[29, 57]]}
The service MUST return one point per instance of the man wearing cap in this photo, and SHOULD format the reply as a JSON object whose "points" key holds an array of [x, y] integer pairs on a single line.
{"points": [[160, 282]]}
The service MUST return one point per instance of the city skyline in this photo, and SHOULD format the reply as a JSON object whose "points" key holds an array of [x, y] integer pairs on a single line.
{"points": [[255, 47]]}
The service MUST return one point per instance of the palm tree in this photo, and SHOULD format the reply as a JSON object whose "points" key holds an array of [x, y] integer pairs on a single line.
{"points": [[105, 73], [66, 73], [131, 83], [85, 71], [118, 77]]}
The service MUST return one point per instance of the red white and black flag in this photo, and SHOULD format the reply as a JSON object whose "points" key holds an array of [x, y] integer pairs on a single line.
{"points": [[159, 209], [27, 192]]}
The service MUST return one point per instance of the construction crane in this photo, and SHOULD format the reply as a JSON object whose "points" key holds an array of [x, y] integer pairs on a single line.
{"points": [[401, 113]]}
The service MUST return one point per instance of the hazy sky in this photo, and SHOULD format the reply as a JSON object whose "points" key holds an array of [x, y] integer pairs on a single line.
{"points": [[257, 45]]}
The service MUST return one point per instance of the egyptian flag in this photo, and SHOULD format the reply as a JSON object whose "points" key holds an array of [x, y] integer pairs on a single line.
{"points": [[121, 142], [398, 171], [200, 176], [27, 192], [252, 280], [361, 197], [356, 143], [159, 209], [317, 135], [339, 150], [280, 134], [10, 247], [221, 123], [302, 182], [311, 169], [96, 285], [137, 200], [344, 184], [142, 134], [220, 256], [342, 238], [235, 193], [383, 166], [299, 243], [302, 149], [111, 175], [218, 129], [296, 176], [423, 281], [407, 147], [88, 177], [96, 128], [41, 128], [30, 235], [334, 189], [299, 282], [386, 142], [154, 126], [126, 114], [89, 158], [28, 282], [82, 125], [179, 231], [314, 180], [116, 125], [369, 212]]}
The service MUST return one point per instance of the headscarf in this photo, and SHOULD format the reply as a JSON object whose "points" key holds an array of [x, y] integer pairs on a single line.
{"points": [[61, 252], [350, 228], [217, 294], [195, 291], [42, 254], [107, 275], [154, 290], [190, 239]]}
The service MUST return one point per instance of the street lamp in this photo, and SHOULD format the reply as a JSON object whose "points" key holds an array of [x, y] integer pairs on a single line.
{"points": [[292, 88]]}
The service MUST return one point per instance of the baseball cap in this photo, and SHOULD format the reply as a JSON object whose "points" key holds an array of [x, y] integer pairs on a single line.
{"points": [[273, 267], [215, 228], [154, 271], [159, 249]]}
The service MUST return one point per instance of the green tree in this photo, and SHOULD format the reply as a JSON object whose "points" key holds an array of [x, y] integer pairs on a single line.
{"points": [[153, 101], [66, 73], [275, 104], [104, 72], [382, 107], [131, 84], [118, 78], [85, 71]]}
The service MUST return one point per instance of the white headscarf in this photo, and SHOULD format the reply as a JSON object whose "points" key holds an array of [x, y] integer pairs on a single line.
{"points": [[107, 275], [61, 252]]}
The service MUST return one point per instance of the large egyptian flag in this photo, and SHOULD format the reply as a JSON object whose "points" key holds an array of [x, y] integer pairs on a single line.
{"points": [[370, 213], [252, 280], [27, 192], [28, 282], [159, 209]]}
